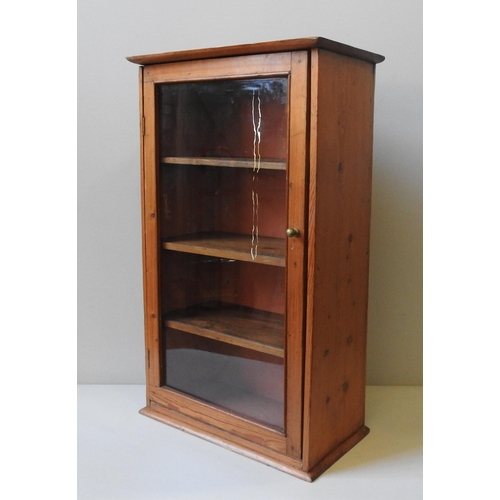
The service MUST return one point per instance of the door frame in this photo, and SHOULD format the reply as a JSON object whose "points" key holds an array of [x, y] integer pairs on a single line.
{"points": [[169, 402]]}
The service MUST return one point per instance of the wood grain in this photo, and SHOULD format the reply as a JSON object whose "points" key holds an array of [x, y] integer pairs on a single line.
{"points": [[328, 196], [240, 429], [177, 339], [150, 232], [339, 226], [264, 164], [271, 251], [234, 443], [296, 249], [339, 451], [225, 421], [296, 44], [257, 330], [143, 222], [252, 66]]}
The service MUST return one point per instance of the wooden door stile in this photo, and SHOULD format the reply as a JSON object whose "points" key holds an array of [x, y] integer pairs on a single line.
{"points": [[296, 207], [152, 307], [143, 220]]}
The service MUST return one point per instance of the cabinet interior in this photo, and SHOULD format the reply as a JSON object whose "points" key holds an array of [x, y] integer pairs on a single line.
{"points": [[223, 205]]}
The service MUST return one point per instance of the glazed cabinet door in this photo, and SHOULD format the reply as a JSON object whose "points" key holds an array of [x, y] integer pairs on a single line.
{"points": [[224, 223]]}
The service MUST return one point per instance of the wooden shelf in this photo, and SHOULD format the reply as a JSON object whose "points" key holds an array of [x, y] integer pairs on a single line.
{"points": [[270, 251], [265, 164], [241, 326]]}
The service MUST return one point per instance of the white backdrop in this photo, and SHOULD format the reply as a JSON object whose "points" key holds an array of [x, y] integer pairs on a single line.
{"points": [[110, 322]]}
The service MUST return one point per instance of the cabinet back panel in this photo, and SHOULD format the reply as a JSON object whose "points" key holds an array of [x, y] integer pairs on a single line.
{"points": [[225, 118], [198, 199], [235, 211], [188, 280]]}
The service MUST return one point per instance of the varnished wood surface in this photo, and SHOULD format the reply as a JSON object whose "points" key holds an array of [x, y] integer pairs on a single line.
{"points": [[222, 68], [264, 164], [296, 249], [263, 455], [256, 451], [150, 236], [258, 48], [178, 339], [187, 408], [271, 251], [339, 224], [143, 224], [339, 451], [257, 330], [238, 430], [328, 199]]}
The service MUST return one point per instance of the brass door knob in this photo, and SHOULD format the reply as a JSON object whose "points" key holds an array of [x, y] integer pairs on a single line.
{"points": [[292, 231]]}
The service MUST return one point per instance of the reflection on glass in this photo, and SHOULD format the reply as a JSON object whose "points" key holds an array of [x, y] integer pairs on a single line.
{"points": [[223, 159]]}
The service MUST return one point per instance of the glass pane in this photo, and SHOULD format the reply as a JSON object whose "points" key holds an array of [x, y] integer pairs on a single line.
{"points": [[223, 164]]}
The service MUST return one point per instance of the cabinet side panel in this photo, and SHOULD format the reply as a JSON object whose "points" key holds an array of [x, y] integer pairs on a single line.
{"points": [[340, 197]]}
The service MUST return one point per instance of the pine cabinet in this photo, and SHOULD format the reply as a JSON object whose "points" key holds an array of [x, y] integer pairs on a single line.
{"points": [[256, 185]]}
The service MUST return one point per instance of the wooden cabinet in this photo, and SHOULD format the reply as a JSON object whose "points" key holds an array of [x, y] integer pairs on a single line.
{"points": [[256, 182]]}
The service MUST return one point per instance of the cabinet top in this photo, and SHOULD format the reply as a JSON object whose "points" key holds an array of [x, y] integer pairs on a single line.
{"points": [[259, 48]]}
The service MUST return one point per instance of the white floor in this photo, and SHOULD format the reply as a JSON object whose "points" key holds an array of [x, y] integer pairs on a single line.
{"points": [[125, 456]]}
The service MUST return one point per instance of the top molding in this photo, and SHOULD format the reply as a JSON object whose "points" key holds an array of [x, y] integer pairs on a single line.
{"points": [[259, 48]]}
